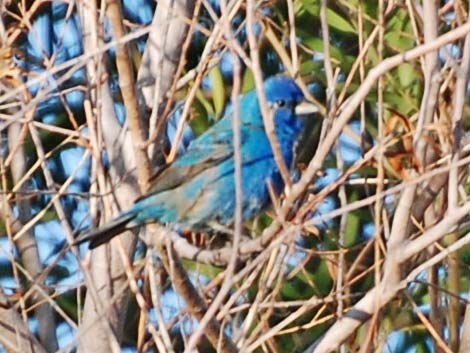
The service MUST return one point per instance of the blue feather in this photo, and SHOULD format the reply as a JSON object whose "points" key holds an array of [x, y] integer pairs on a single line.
{"points": [[199, 187]]}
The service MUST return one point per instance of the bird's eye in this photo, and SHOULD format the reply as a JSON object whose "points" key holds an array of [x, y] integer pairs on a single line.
{"points": [[281, 103]]}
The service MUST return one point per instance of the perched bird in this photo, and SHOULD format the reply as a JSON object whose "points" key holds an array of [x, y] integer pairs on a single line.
{"points": [[198, 188]]}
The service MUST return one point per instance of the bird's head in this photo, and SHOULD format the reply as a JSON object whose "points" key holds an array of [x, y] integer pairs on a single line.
{"points": [[286, 100], [282, 92]]}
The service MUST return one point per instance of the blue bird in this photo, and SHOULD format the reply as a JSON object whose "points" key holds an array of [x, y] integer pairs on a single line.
{"points": [[198, 188]]}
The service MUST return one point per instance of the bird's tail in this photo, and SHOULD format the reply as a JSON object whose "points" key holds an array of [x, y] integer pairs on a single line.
{"points": [[104, 234]]}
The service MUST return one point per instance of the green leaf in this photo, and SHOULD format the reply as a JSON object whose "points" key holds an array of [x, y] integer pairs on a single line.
{"points": [[200, 121], [310, 67], [334, 19], [315, 43], [406, 74], [399, 33], [218, 89], [311, 6], [398, 41], [206, 104], [352, 229], [202, 269], [322, 277], [338, 22], [248, 81], [289, 291]]}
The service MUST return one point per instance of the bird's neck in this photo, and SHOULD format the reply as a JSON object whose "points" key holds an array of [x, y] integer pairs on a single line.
{"points": [[288, 130]]}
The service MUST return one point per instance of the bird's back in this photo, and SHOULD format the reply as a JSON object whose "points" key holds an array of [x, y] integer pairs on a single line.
{"points": [[209, 196], [199, 188]]}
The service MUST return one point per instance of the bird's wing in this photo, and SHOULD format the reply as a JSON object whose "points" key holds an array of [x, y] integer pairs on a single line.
{"points": [[206, 151]]}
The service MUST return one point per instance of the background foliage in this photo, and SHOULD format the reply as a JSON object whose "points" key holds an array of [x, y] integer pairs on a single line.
{"points": [[367, 252]]}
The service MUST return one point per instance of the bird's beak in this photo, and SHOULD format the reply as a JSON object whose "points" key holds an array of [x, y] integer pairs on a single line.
{"points": [[306, 108]]}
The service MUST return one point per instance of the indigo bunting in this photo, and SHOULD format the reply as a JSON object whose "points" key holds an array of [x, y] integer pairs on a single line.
{"points": [[198, 188]]}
